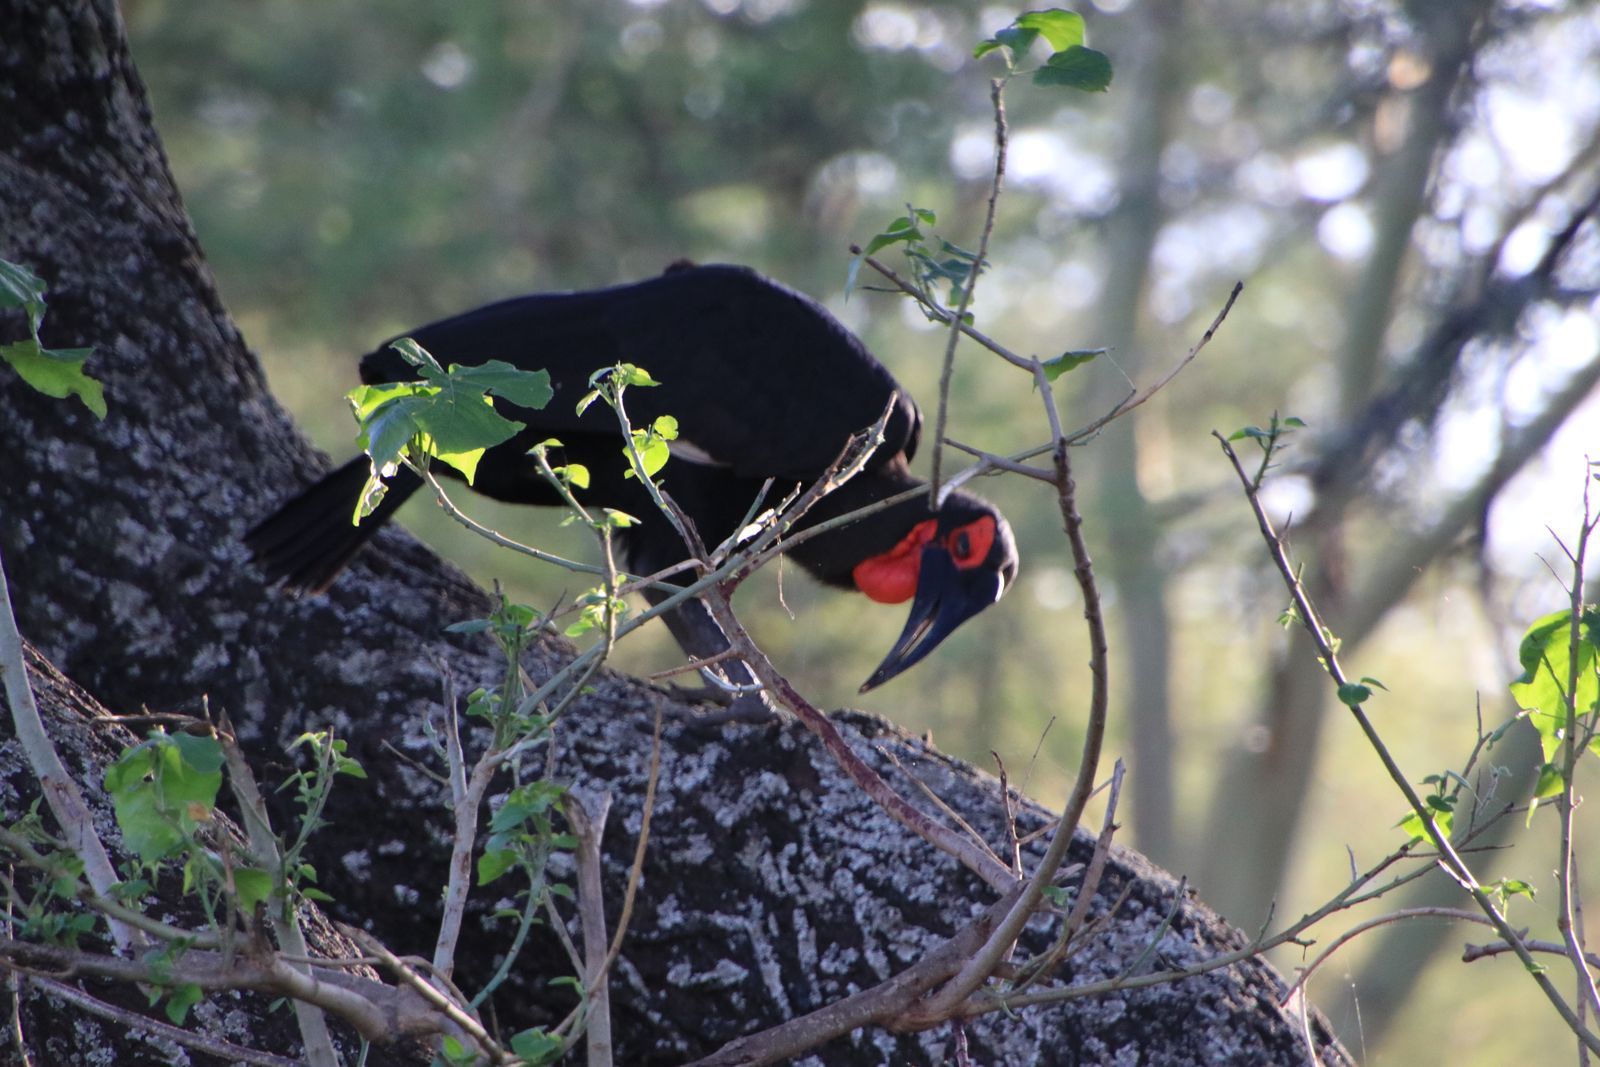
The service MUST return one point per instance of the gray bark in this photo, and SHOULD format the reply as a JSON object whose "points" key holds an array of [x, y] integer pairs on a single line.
{"points": [[771, 886]]}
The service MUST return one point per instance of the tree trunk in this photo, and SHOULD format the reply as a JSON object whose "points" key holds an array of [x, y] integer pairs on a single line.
{"points": [[771, 885]]}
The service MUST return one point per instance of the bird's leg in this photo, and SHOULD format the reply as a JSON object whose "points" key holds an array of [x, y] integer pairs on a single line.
{"points": [[698, 634]]}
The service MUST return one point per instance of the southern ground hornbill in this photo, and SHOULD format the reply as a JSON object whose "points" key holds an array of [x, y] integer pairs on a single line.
{"points": [[764, 383]]}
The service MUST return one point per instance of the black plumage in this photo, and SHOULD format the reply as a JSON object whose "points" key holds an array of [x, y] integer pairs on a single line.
{"points": [[764, 383]]}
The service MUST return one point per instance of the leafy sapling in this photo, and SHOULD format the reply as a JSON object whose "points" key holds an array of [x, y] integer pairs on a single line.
{"points": [[446, 415], [312, 788]]}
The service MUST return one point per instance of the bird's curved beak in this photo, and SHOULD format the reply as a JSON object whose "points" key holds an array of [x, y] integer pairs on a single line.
{"points": [[942, 603]]}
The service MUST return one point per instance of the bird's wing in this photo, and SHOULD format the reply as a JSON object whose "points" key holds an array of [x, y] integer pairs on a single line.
{"points": [[761, 379]]}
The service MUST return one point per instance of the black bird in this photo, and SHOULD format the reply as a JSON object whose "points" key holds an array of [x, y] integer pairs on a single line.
{"points": [[764, 383]]}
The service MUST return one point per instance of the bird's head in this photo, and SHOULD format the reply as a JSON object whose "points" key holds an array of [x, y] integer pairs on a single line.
{"points": [[950, 566]]}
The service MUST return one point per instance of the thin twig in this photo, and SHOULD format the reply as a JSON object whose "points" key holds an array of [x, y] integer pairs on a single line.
{"points": [[1138, 398], [443, 1003], [1090, 886], [134, 1023], [1474, 953], [495, 537], [1154, 940], [977, 970], [997, 97], [938, 802], [1009, 808], [692, 665], [1566, 909], [981, 862], [940, 314], [881, 1003], [1448, 857], [1429, 912]]}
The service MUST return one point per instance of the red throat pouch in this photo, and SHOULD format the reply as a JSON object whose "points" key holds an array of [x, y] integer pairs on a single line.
{"points": [[891, 577]]}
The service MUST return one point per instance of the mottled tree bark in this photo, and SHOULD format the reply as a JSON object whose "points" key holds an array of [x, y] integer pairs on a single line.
{"points": [[771, 885]]}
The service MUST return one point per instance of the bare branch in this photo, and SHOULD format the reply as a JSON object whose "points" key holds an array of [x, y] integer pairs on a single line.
{"points": [[1138, 398], [997, 97], [588, 827], [135, 1023], [59, 787], [264, 851], [1448, 857]]}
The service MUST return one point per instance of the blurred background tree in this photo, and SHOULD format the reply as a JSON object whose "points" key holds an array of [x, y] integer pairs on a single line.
{"points": [[1400, 184]]}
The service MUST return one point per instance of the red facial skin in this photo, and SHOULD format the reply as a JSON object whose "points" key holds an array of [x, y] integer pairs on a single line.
{"points": [[891, 577]]}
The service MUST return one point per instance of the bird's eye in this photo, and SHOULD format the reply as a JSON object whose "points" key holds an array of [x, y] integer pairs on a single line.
{"points": [[969, 545]]}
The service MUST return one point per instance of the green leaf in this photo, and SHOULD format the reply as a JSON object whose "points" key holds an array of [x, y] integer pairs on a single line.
{"points": [[1012, 37], [623, 376], [182, 999], [204, 754], [1546, 657], [372, 494], [576, 474], [666, 426], [528, 389], [1412, 825], [158, 797], [1352, 694], [21, 288], [1078, 68], [253, 886], [884, 240], [418, 357], [652, 448], [1517, 887], [1551, 781], [449, 416], [1062, 29], [493, 864], [56, 372], [1068, 361], [536, 1045], [389, 429]]}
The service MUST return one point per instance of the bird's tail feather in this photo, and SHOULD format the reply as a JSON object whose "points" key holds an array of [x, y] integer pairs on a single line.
{"points": [[308, 541]]}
